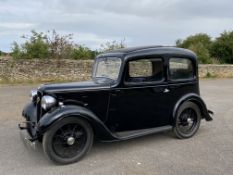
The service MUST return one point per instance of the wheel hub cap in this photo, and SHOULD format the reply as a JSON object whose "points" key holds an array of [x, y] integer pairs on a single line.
{"points": [[70, 140], [189, 120]]}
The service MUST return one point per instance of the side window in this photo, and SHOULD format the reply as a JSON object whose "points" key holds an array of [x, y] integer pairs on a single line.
{"points": [[145, 70], [180, 69]]}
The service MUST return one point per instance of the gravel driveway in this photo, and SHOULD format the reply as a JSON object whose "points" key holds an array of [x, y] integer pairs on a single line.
{"points": [[210, 151]]}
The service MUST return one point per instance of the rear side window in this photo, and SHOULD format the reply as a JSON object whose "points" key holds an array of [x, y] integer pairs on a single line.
{"points": [[145, 70], [180, 69]]}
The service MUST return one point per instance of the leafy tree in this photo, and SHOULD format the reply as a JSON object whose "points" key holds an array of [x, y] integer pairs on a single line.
{"points": [[222, 47], [194, 39], [200, 43], [202, 52]]}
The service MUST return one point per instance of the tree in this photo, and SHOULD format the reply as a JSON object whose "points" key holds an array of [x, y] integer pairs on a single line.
{"points": [[222, 47], [200, 44], [44, 45], [202, 52], [194, 39], [108, 46], [61, 46]]}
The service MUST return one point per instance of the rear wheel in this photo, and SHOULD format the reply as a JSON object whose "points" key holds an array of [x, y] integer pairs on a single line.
{"points": [[68, 140], [187, 121]]}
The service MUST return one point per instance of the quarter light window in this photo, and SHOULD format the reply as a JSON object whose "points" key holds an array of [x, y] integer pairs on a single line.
{"points": [[180, 69]]}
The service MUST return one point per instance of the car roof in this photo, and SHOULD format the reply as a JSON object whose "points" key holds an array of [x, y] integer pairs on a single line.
{"points": [[160, 50]]}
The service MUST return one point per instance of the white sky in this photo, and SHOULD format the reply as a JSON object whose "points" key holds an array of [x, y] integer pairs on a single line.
{"points": [[140, 22]]}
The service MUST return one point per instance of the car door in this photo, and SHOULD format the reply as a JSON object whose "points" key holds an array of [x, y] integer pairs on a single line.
{"points": [[182, 76], [142, 101]]}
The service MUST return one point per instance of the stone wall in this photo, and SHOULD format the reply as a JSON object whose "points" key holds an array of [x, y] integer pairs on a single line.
{"points": [[44, 70], [216, 70], [73, 70]]}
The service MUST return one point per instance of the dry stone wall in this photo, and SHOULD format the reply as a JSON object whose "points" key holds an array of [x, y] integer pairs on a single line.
{"points": [[74, 70]]}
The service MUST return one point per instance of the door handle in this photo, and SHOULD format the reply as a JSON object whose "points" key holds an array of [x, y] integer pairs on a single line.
{"points": [[116, 92], [166, 90]]}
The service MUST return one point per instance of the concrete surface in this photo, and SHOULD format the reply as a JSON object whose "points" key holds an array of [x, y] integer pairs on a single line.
{"points": [[210, 151]]}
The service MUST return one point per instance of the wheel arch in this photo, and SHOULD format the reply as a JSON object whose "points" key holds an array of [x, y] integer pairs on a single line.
{"points": [[195, 99], [100, 130]]}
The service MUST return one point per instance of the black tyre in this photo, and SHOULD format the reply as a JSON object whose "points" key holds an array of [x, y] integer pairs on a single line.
{"points": [[187, 120], [68, 140]]}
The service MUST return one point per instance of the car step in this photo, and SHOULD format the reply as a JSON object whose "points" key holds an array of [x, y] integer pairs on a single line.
{"points": [[138, 133]]}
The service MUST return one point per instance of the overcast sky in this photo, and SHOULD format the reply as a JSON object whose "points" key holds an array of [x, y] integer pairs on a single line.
{"points": [[140, 22]]}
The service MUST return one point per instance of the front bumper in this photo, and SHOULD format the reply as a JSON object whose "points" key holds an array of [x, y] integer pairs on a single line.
{"points": [[25, 127], [29, 125], [27, 139]]}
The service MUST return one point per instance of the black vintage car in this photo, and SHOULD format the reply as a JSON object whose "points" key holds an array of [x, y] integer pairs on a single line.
{"points": [[133, 92]]}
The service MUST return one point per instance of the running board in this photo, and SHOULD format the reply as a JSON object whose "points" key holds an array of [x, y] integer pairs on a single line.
{"points": [[125, 135]]}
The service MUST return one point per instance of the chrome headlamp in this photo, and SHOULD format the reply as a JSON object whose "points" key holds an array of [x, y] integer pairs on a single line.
{"points": [[47, 102], [33, 94]]}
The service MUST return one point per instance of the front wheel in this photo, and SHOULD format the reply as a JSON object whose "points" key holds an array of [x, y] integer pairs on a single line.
{"points": [[187, 120], [68, 140]]}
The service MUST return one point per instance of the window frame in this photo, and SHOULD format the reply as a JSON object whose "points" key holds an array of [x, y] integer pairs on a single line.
{"points": [[194, 77], [95, 67], [129, 83]]}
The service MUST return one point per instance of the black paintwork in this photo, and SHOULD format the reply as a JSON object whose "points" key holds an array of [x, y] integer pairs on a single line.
{"points": [[115, 106]]}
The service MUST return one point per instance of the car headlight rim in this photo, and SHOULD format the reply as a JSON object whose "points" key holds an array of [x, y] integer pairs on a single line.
{"points": [[48, 102], [33, 94]]}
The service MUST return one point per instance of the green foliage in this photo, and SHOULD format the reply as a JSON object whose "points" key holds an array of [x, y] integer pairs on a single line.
{"points": [[200, 43], [81, 52], [202, 38], [108, 46], [16, 51], [222, 47], [202, 53], [44, 45], [36, 46], [50, 45]]}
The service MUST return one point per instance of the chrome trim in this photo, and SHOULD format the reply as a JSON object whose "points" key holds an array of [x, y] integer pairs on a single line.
{"points": [[33, 94], [48, 102]]}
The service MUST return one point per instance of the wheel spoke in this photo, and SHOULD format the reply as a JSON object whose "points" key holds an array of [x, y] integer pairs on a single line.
{"points": [[187, 120], [67, 149]]}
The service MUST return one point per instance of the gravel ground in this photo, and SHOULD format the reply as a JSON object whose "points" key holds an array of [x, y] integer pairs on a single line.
{"points": [[210, 151]]}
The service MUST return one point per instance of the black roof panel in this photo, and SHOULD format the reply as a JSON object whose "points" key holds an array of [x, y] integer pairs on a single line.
{"points": [[150, 49]]}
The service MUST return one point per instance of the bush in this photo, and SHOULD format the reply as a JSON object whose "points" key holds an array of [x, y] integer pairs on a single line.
{"points": [[41, 45], [52, 45], [36, 46], [16, 51], [222, 48], [81, 52]]}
